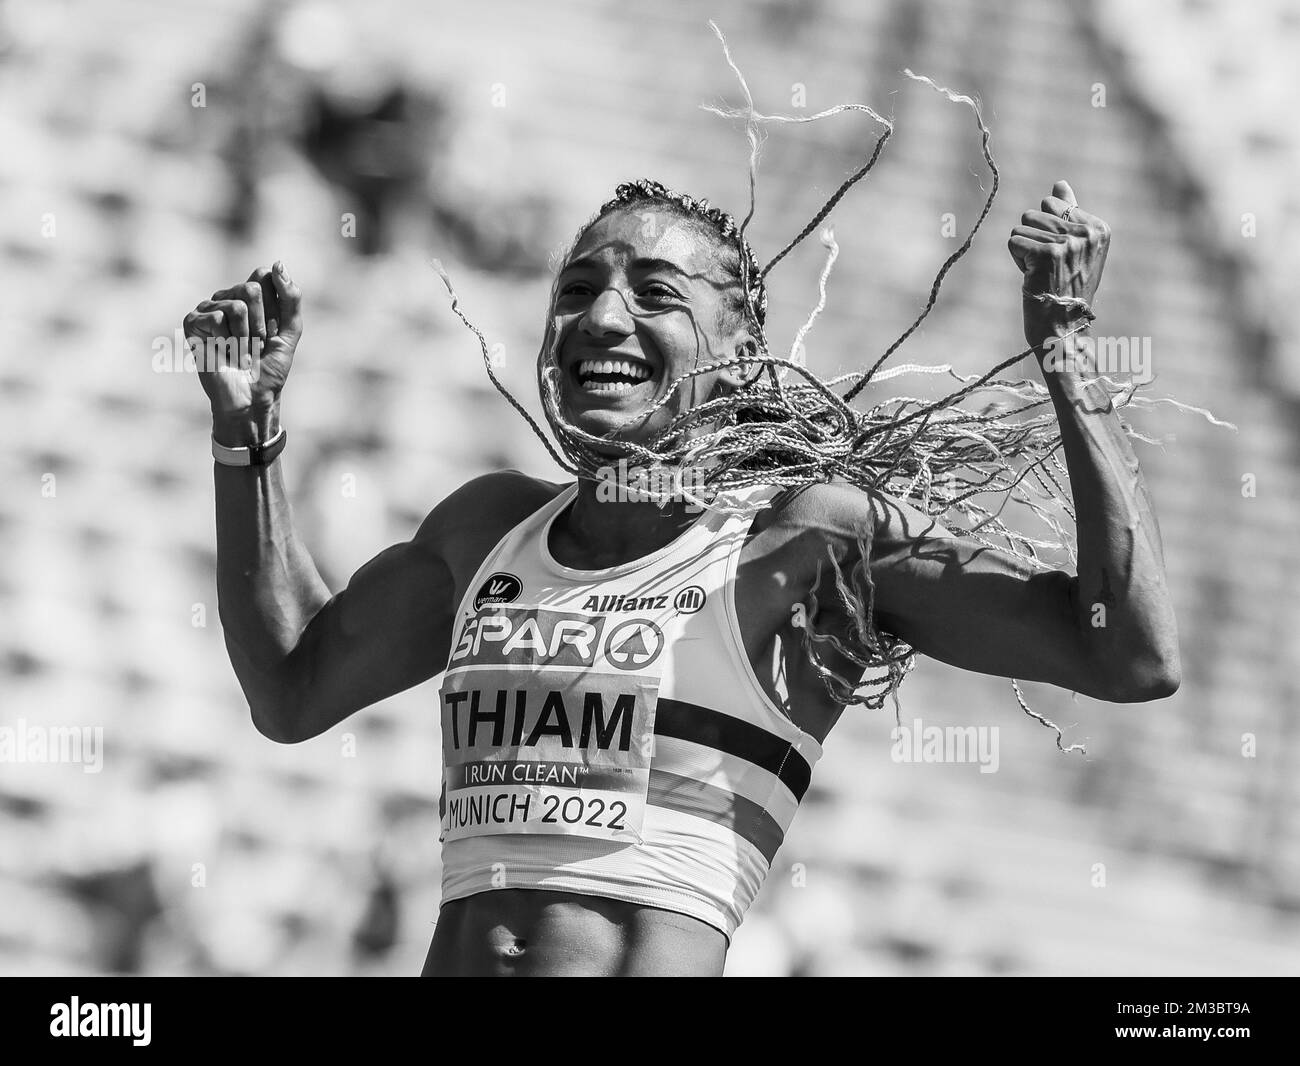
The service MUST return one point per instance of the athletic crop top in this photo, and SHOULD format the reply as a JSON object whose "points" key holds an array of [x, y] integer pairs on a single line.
{"points": [[603, 731]]}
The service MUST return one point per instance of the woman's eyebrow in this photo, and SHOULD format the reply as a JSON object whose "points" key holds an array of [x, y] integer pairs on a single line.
{"points": [[644, 264], [659, 264], [585, 263]]}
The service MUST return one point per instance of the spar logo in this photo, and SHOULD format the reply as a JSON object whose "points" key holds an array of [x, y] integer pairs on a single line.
{"points": [[634, 644], [689, 600], [531, 636], [499, 588]]}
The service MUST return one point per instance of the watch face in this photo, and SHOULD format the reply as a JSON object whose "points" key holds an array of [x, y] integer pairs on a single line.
{"points": [[267, 451]]}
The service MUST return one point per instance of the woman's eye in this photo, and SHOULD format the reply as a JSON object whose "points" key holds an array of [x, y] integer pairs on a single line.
{"points": [[654, 294], [657, 292]]}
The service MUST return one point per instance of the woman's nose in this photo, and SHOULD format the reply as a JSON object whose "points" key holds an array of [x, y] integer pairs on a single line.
{"points": [[608, 314]]}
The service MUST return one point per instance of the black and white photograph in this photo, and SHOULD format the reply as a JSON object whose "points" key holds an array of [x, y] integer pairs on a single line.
{"points": [[697, 489]]}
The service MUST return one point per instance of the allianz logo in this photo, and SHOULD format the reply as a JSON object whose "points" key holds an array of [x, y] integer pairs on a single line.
{"points": [[687, 601]]}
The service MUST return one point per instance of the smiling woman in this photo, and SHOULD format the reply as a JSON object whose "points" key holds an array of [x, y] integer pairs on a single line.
{"points": [[668, 263], [656, 317], [636, 691]]}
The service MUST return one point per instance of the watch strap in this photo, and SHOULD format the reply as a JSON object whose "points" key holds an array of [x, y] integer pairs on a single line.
{"points": [[250, 455]]}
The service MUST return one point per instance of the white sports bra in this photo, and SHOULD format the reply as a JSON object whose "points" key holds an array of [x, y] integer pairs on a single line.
{"points": [[603, 730]]}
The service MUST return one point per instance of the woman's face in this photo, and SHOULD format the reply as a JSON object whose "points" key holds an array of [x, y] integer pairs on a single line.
{"points": [[641, 299]]}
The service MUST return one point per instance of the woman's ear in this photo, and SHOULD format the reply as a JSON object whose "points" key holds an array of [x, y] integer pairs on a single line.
{"points": [[740, 374]]}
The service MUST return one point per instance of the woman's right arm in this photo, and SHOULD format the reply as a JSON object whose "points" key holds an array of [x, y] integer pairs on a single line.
{"points": [[305, 659]]}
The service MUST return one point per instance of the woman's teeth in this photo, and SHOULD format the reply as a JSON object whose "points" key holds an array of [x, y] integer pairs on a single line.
{"points": [[611, 375]]}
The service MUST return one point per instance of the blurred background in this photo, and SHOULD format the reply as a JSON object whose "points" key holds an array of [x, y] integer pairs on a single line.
{"points": [[151, 154]]}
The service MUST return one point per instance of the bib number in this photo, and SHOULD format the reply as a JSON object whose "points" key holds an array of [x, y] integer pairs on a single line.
{"points": [[548, 725]]}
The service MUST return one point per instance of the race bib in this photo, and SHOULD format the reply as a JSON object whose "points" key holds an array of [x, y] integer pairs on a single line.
{"points": [[548, 723]]}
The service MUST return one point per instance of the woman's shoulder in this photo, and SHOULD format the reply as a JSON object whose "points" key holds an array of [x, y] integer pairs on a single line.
{"points": [[490, 504], [514, 488], [826, 506]]}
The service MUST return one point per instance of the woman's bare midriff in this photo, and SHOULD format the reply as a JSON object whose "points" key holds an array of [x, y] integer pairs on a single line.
{"points": [[536, 933]]}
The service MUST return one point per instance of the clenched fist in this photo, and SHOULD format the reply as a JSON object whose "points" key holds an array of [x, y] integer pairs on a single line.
{"points": [[1061, 250], [244, 339]]}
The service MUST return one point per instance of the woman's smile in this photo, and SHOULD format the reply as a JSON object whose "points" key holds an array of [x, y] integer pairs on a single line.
{"points": [[612, 375]]}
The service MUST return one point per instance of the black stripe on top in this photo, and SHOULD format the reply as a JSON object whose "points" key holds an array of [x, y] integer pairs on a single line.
{"points": [[734, 736], [742, 816]]}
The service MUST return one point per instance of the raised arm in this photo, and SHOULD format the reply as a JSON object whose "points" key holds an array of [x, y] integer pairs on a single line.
{"points": [[1108, 632], [304, 658]]}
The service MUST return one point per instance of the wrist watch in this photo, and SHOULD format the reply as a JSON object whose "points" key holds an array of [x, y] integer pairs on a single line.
{"points": [[251, 455]]}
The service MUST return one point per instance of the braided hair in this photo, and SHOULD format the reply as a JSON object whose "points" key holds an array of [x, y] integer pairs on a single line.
{"points": [[959, 465]]}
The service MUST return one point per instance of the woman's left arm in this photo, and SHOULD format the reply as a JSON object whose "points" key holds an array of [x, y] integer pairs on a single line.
{"points": [[1108, 632]]}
